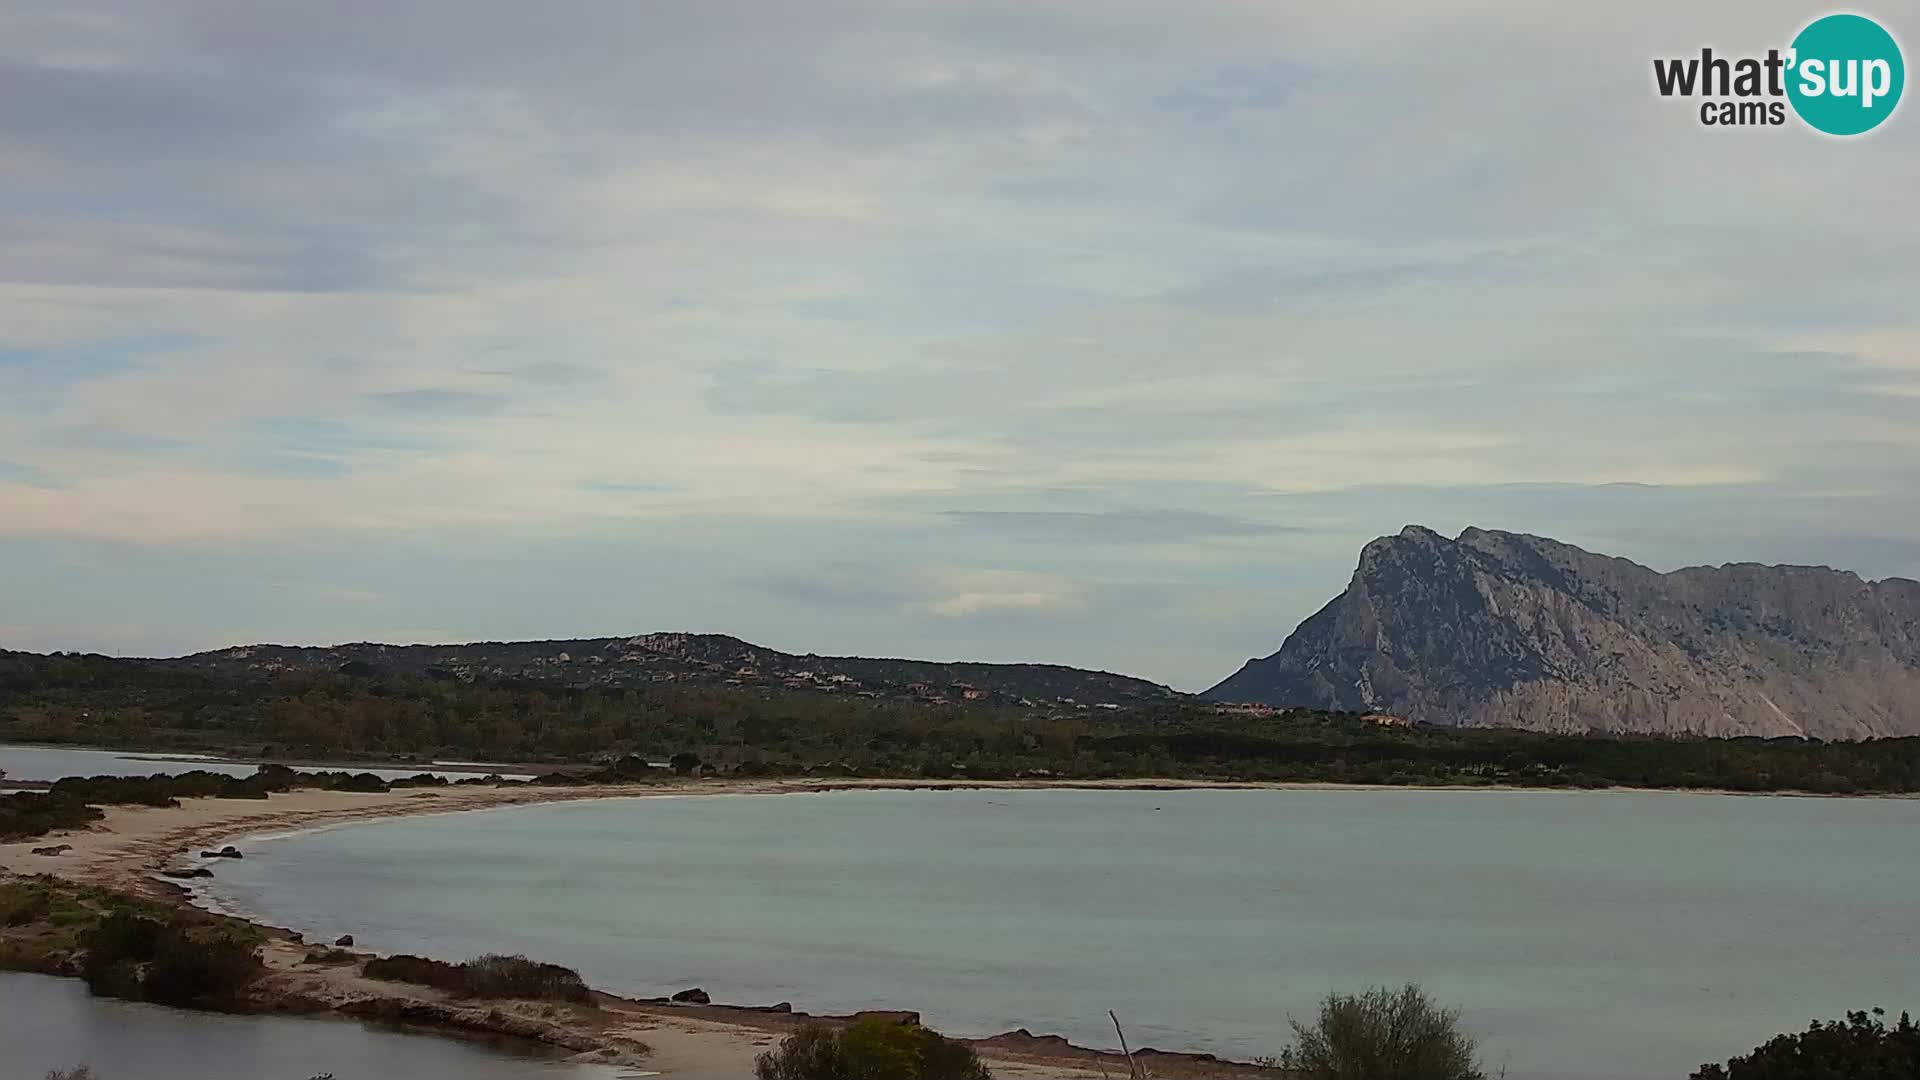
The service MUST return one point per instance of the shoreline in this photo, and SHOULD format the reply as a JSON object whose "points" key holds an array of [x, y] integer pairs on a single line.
{"points": [[525, 774], [127, 850], [227, 759]]}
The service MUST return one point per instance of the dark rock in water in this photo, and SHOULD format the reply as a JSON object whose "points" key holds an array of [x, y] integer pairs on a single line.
{"points": [[345, 941], [53, 849], [228, 852], [187, 872], [695, 996]]}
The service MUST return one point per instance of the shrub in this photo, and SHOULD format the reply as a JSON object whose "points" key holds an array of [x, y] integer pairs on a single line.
{"points": [[1382, 1034], [116, 946], [490, 976], [495, 976], [24, 906], [192, 970], [419, 780], [131, 956], [28, 814], [1862, 1047], [630, 767], [872, 1049]]}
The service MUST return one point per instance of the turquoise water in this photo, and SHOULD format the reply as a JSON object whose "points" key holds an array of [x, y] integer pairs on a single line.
{"points": [[1584, 935], [48, 1023]]}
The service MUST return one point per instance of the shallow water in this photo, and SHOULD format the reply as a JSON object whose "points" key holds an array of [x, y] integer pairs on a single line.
{"points": [[48, 1023], [46, 763], [1584, 934]]}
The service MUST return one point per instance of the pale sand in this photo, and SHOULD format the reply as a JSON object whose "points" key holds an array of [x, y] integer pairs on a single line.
{"points": [[132, 842], [126, 849], [123, 850]]}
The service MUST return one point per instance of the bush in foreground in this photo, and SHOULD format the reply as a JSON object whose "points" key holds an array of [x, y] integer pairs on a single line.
{"points": [[872, 1049], [1383, 1034], [173, 963], [490, 976], [1862, 1047]]}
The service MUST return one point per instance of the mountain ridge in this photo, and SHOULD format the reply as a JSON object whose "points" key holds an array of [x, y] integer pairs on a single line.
{"points": [[674, 656], [1505, 629]]}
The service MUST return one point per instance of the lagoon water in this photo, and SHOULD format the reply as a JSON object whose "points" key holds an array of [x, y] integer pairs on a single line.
{"points": [[48, 1023], [1584, 935], [46, 763]]}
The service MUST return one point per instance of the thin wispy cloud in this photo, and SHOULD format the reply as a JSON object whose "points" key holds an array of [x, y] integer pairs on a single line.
{"points": [[1095, 332]]}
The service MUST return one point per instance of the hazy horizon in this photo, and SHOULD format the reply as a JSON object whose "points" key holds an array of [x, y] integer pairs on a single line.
{"points": [[1091, 333]]}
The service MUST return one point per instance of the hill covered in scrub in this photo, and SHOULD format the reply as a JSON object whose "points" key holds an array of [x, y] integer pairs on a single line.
{"points": [[689, 659]]}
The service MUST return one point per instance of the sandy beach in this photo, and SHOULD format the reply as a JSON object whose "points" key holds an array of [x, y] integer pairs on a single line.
{"points": [[131, 845]]}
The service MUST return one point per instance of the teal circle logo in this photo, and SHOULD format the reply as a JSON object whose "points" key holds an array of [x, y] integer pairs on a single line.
{"points": [[1845, 75]]}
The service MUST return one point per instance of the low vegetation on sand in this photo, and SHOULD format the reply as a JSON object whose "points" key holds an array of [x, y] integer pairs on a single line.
{"points": [[126, 947], [490, 976], [1861, 1047], [73, 802], [873, 1049], [1382, 1034]]}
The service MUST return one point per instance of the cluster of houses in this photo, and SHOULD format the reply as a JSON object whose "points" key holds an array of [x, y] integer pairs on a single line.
{"points": [[1248, 710]]}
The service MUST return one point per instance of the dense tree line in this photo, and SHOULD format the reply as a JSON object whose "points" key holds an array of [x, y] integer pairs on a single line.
{"points": [[106, 702], [1862, 1047]]}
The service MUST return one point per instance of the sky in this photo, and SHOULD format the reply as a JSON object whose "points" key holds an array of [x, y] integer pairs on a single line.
{"points": [[1098, 332]]}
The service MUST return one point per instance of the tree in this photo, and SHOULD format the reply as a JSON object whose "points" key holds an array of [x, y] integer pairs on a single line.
{"points": [[684, 762], [1862, 1047], [1383, 1034], [873, 1049]]}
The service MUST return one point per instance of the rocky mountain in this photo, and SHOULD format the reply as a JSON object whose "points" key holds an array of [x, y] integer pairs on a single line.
{"points": [[696, 659], [1503, 629]]}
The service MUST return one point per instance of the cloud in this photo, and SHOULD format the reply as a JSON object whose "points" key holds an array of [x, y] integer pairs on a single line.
{"points": [[1114, 527], [441, 401], [977, 326], [963, 605], [1000, 592], [22, 474]]}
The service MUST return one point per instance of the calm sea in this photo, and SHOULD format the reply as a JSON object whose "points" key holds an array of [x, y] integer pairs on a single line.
{"points": [[48, 1023], [1584, 935]]}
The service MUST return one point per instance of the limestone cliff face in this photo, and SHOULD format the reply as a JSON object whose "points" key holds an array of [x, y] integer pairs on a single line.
{"points": [[1502, 629]]}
